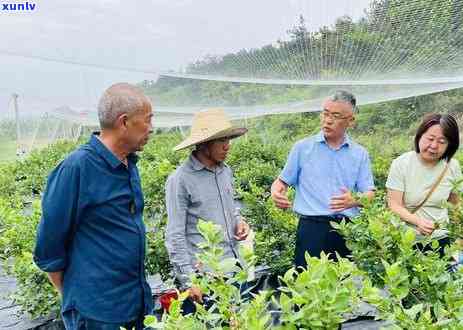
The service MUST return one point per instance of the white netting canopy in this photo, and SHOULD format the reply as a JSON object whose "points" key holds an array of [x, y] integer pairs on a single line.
{"points": [[250, 57]]}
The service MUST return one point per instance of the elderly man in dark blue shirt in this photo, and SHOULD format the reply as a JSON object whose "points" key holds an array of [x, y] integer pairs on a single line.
{"points": [[91, 238]]}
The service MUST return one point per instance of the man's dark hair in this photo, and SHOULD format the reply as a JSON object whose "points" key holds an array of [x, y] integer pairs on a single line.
{"points": [[344, 96]]}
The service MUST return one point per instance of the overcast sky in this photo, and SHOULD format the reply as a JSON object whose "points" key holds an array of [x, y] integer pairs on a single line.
{"points": [[150, 35]]}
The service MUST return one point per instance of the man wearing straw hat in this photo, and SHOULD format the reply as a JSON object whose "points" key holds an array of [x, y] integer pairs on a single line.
{"points": [[202, 188], [325, 169]]}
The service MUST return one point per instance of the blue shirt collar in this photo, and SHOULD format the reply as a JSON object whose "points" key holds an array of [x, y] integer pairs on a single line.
{"points": [[106, 154], [320, 137]]}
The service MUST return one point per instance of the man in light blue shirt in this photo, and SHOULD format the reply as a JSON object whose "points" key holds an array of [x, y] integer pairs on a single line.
{"points": [[325, 169]]}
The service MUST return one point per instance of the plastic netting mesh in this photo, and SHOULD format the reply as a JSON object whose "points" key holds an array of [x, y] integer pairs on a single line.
{"points": [[59, 58]]}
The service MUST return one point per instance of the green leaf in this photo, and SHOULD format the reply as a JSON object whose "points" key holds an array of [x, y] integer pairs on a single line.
{"points": [[414, 310], [228, 265], [409, 238], [150, 320]]}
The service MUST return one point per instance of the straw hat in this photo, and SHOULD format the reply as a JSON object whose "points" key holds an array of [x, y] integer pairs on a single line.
{"points": [[210, 125]]}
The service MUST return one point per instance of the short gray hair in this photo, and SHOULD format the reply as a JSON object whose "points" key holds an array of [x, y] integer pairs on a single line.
{"points": [[121, 98], [344, 96]]}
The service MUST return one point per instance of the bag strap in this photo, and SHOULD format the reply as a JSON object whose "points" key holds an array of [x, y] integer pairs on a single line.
{"points": [[433, 188]]}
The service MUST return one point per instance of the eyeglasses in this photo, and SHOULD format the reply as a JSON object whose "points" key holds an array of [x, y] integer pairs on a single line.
{"points": [[334, 116]]}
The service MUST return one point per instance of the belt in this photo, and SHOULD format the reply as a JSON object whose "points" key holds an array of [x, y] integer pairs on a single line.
{"points": [[324, 218]]}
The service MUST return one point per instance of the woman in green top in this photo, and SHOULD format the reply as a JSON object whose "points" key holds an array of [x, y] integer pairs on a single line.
{"points": [[427, 175]]}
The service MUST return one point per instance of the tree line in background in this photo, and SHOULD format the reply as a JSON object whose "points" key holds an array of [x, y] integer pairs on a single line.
{"points": [[393, 35]]}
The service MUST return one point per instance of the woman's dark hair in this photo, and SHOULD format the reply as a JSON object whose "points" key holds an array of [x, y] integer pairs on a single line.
{"points": [[449, 129]]}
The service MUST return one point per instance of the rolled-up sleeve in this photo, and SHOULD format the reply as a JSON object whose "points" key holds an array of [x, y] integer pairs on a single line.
{"points": [[365, 178], [290, 172], [237, 203], [177, 206], [59, 207]]}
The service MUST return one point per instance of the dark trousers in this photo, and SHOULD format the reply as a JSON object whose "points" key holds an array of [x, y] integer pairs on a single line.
{"points": [[73, 320], [443, 242], [314, 235]]}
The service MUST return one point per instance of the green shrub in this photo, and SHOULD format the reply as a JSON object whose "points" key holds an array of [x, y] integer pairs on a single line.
{"points": [[34, 294], [420, 288]]}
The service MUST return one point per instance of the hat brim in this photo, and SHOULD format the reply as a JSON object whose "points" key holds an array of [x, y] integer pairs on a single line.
{"points": [[230, 133]]}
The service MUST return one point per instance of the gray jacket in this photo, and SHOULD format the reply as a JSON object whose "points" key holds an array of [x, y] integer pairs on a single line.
{"points": [[195, 192]]}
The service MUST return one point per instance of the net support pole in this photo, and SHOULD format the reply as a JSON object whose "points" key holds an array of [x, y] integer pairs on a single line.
{"points": [[16, 116]]}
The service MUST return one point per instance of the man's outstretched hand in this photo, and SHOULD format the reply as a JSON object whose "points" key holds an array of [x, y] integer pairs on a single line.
{"points": [[279, 192]]}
